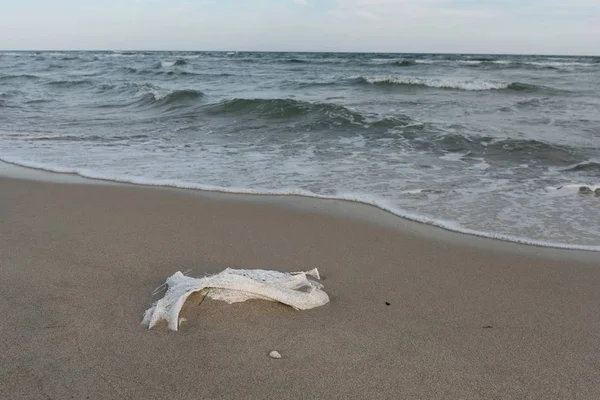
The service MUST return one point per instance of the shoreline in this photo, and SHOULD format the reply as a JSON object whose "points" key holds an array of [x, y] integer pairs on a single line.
{"points": [[339, 207], [79, 264]]}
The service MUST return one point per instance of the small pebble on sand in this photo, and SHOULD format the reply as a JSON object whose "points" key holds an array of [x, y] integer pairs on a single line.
{"points": [[275, 354]]}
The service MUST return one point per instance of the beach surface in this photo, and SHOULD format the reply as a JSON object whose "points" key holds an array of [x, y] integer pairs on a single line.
{"points": [[465, 320]]}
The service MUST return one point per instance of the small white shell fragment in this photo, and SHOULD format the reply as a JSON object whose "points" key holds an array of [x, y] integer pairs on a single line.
{"points": [[182, 320], [275, 354]]}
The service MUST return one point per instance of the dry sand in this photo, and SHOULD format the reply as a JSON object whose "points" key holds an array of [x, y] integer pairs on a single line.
{"points": [[78, 264]]}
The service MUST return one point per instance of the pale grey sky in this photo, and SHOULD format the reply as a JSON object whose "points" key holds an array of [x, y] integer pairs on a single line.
{"points": [[469, 26]]}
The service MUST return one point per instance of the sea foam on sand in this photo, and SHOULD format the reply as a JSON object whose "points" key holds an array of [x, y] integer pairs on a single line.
{"points": [[237, 285]]}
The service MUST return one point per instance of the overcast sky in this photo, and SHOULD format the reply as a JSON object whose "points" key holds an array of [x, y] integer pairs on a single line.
{"points": [[467, 26]]}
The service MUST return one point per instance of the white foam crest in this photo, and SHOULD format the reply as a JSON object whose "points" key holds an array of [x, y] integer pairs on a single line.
{"points": [[156, 92], [390, 60], [453, 156], [440, 83], [375, 201], [421, 191], [160, 94], [116, 55], [469, 62], [427, 61], [559, 64], [385, 60], [556, 64]]}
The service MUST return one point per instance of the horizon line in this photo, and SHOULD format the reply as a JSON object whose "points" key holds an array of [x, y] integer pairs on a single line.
{"points": [[296, 51]]}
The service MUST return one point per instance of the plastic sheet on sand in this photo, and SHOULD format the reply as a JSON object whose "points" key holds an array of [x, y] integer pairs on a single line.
{"points": [[237, 285]]}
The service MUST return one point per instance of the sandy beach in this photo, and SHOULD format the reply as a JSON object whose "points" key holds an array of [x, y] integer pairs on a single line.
{"points": [[465, 320]]}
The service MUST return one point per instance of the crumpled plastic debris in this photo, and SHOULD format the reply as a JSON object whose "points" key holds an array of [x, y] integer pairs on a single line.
{"points": [[237, 285]]}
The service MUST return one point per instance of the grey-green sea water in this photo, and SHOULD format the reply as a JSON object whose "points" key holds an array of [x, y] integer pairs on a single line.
{"points": [[485, 144]]}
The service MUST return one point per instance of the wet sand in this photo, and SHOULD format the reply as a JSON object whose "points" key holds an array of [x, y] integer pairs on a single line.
{"points": [[79, 262]]}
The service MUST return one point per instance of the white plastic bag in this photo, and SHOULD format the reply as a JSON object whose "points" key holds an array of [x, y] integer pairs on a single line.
{"points": [[238, 285]]}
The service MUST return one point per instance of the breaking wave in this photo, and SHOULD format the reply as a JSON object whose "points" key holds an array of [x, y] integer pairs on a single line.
{"points": [[445, 83], [163, 97], [405, 63], [178, 96], [588, 166], [177, 63], [307, 112]]}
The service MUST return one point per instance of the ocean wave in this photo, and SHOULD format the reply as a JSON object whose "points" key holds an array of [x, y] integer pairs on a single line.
{"points": [[178, 96], [296, 61], [587, 166], [75, 138], [38, 101], [486, 63], [180, 62], [66, 138], [145, 96], [8, 77], [443, 83], [374, 201], [526, 150], [163, 97], [558, 64], [483, 59], [530, 65], [119, 54], [384, 60], [309, 113], [452, 61], [505, 64], [168, 72], [492, 150], [574, 188], [10, 93], [529, 148], [469, 62], [69, 83], [531, 103], [398, 62], [277, 108], [144, 89], [180, 72], [313, 59], [405, 63], [432, 83]]}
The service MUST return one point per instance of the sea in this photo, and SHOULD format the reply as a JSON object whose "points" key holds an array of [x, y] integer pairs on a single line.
{"points": [[503, 146]]}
